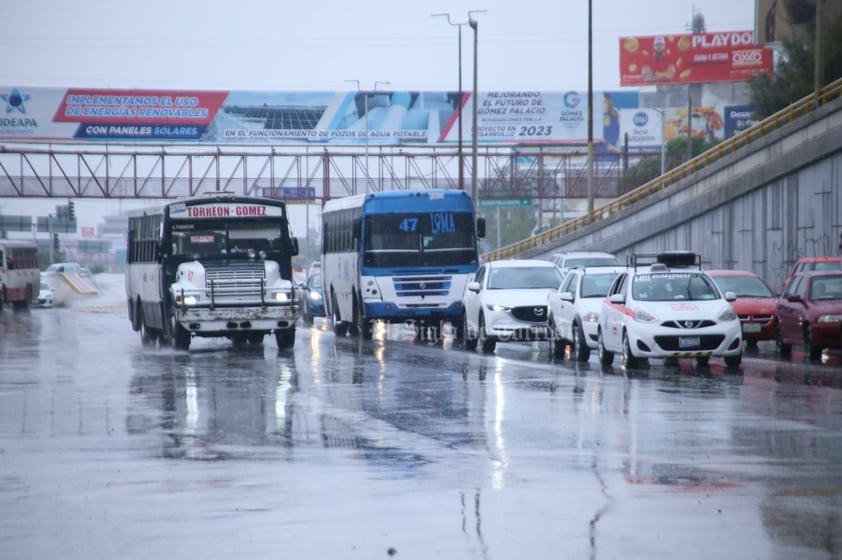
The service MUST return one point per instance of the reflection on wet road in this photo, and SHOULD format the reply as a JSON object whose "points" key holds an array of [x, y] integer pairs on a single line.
{"points": [[341, 448]]}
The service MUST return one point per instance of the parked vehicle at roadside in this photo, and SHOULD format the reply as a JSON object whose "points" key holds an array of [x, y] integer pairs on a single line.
{"points": [[809, 313], [574, 310], [666, 306], [506, 301], [755, 303]]}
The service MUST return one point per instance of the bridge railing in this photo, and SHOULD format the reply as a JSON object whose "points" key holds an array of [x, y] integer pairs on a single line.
{"points": [[725, 148]]}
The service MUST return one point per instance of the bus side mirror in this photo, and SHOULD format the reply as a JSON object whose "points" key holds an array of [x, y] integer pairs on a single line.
{"points": [[480, 227], [293, 249]]}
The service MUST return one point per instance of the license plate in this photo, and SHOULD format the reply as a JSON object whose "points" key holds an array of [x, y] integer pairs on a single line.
{"points": [[751, 327], [688, 341]]}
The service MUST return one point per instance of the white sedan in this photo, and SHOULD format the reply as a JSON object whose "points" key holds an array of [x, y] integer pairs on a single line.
{"points": [[507, 301], [668, 313], [574, 310]]}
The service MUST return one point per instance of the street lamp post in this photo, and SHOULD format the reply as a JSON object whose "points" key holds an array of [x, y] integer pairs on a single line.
{"points": [[365, 110], [662, 112], [459, 153], [475, 26]]}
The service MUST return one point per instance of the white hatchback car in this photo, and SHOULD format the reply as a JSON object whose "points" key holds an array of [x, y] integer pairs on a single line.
{"points": [[574, 310], [669, 308], [507, 301]]}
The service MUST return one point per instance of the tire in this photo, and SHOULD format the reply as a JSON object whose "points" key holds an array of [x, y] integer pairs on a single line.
{"points": [[470, 338], [629, 359], [580, 350], [606, 358], [285, 338], [784, 349], [734, 361], [814, 353], [362, 325], [339, 327], [487, 343], [557, 344], [147, 335], [181, 337]]}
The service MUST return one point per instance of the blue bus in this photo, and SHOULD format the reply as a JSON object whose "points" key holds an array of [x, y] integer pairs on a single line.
{"points": [[398, 256]]}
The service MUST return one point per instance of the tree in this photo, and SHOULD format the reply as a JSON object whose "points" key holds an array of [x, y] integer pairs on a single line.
{"points": [[794, 75]]}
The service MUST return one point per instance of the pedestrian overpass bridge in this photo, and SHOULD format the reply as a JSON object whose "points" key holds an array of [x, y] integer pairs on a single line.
{"points": [[756, 201]]}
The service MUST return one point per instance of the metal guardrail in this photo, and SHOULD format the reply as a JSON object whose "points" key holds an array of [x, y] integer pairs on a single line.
{"points": [[725, 148]]}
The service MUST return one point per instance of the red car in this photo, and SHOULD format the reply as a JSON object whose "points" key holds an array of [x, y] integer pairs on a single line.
{"points": [[755, 303], [810, 313]]}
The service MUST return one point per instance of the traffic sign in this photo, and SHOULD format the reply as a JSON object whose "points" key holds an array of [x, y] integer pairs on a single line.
{"points": [[505, 202]]}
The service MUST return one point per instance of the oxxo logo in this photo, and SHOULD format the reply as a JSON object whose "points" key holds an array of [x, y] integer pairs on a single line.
{"points": [[640, 119], [743, 58]]}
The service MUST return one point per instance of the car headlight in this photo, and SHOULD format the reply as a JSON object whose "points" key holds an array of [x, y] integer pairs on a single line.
{"points": [[315, 296], [830, 318], [281, 297], [186, 299], [496, 307], [727, 314], [644, 316], [591, 317]]}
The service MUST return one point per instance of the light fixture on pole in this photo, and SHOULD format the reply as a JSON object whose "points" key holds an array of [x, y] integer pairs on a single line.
{"points": [[475, 26], [459, 153], [365, 111]]}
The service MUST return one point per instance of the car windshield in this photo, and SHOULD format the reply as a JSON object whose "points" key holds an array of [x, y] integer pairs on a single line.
{"points": [[316, 282], [673, 286], [744, 286], [535, 277], [826, 288], [596, 285]]}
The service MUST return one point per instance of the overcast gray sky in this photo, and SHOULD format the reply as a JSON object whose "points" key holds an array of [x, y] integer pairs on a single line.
{"points": [[318, 44], [278, 45]]}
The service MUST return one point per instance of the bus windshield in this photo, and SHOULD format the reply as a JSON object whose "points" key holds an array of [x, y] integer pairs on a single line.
{"points": [[443, 238], [224, 238]]}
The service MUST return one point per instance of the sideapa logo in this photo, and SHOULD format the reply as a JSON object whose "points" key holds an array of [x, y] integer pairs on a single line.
{"points": [[15, 101]]}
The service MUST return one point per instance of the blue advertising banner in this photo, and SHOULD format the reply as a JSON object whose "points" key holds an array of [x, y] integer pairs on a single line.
{"points": [[344, 118]]}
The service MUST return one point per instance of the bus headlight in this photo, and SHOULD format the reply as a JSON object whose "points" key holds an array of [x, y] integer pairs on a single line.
{"points": [[282, 297]]}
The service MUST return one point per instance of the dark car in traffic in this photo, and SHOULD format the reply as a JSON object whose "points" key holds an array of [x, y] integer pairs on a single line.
{"points": [[809, 313], [312, 302]]}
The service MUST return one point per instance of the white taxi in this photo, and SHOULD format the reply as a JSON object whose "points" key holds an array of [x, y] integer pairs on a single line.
{"points": [[666, 306]]}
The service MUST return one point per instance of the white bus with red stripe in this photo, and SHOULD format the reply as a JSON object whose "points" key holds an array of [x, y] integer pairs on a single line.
{"points": [[212, 266]]}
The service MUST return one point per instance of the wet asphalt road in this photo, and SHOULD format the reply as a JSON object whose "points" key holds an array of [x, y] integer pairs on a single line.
{"points": [[389, 448]]}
